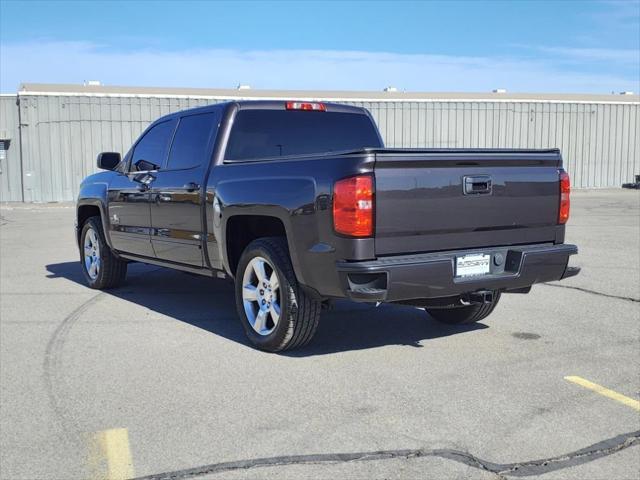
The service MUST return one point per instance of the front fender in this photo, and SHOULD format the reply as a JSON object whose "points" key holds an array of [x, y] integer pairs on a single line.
{"points": [[94, 193]]}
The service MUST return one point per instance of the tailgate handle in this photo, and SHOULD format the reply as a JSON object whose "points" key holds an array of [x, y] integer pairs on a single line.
{"points": [[477, 185]]}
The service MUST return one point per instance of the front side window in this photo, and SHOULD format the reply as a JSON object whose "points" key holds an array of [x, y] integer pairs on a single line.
{"points": [[151, 151], [191, 142]]}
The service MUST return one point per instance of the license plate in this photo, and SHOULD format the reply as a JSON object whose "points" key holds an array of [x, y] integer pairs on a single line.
{"points": [[472, 265]]}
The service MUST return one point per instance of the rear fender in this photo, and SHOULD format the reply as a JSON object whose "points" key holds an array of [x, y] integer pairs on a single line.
{"points": [[290, 200]]}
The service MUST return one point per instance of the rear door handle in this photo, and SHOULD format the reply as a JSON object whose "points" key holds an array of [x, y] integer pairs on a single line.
{"points": [[191, 186], [164, 197]]}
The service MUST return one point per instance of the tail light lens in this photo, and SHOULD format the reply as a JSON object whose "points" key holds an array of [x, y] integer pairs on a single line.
{"points": [[353, 206], [565, 202]]}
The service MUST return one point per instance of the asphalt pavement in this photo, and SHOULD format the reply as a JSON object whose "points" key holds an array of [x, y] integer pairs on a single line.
{"points": [[156, 378]]}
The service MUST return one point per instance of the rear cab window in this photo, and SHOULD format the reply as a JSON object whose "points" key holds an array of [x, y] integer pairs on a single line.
{"points": [[263, 133]]}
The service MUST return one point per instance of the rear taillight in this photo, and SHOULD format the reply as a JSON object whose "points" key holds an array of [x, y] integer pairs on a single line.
{"points": [[316, 107], [353, 206], [565, 202]]}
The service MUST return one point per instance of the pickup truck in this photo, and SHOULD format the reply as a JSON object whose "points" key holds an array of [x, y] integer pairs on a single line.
{"points": [[300, 203]]}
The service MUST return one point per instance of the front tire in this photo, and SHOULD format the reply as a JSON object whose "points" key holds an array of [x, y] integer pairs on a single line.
{"points": [[275, 312], [465, 314], [101, 268]]}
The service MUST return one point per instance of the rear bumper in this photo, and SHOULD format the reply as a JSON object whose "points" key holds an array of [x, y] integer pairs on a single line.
{"points": [[432, 275]]}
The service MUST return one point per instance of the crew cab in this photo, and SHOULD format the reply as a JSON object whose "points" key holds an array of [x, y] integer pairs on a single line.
{"points": [[300, 203]]}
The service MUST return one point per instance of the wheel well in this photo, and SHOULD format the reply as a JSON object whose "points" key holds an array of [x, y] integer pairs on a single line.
{"points": [[244, 229], [85, 212]]}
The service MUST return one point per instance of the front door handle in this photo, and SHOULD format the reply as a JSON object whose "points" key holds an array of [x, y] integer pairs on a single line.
{"points": [[191, 186]]}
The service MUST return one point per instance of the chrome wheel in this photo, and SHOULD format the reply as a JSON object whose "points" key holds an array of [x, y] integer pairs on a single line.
{"points": [[261, 295], [92, 253]]}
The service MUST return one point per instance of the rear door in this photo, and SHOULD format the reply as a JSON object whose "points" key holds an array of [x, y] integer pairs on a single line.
{"points": [[444, 200], [177, 192], [129, 213]]}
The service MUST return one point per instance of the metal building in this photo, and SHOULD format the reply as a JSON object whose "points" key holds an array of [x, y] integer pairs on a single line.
{"points": [[54, 132], [10, 173]]}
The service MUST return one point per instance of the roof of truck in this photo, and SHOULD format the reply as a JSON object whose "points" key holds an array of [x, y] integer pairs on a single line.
{"points": [[258, 105], [325, 95]]}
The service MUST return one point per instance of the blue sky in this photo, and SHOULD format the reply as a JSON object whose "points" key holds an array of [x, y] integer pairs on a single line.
{"points": [[523, 46]]}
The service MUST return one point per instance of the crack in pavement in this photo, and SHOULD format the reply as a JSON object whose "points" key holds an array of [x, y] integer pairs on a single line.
{"points": [[594, 292], [520, 469]]}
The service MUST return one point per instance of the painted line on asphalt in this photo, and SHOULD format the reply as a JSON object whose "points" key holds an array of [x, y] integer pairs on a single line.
{"points": [[110, 455], [618, 397]]}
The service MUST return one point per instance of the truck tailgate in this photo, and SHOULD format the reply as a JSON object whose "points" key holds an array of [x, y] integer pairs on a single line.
{"points": [[430, 200]]}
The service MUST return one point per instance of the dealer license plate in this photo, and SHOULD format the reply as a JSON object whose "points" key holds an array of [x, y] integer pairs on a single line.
{"points": [[472, 265]]}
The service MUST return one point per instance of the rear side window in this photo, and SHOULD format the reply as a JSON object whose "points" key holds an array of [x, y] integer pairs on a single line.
{"points": [[191, 142], [275, 133], [153, 146]]}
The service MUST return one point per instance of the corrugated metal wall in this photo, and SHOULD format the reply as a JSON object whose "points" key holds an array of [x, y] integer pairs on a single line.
{"points": [[10, 175], [62, 135], [600, 142]]}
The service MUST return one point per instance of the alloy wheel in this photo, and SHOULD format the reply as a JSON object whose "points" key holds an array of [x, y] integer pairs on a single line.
{"points": [[261, 295], [92, 254]]}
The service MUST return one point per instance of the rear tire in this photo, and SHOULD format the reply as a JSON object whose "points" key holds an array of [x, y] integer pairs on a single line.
{"points": [[101, 268], [466, 314], [275, 312]]}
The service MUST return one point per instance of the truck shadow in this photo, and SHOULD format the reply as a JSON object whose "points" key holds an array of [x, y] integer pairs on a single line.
{"points": [[209, 304]]}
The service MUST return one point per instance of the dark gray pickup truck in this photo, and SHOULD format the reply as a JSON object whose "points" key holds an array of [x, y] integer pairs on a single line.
{"points": [[300, 203]]}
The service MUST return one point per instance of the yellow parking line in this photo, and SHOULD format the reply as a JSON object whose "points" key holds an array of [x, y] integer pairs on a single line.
{"points": [[618, 397], [111, 447]]}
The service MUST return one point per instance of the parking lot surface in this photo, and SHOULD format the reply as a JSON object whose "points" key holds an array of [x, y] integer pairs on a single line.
{"points": [[156, 378]]}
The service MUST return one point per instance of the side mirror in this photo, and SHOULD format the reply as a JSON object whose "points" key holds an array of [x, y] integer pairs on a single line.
{"points": [[108, 160]]}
